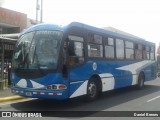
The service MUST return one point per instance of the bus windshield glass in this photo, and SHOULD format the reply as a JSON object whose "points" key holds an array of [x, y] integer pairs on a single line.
{"points": [[37, 50]]}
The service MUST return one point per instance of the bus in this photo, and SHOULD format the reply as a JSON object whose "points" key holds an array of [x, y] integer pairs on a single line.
{"points": [[62, 62]]}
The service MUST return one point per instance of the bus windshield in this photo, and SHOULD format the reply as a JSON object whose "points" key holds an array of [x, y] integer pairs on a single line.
{"points": [[37, 50]]}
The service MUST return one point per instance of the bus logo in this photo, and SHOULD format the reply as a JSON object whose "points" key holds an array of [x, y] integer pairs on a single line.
{"points": [[94, 66]]}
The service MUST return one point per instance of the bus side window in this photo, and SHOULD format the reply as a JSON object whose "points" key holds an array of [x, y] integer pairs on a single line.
{"points": [[75, 50], [138, 52]]}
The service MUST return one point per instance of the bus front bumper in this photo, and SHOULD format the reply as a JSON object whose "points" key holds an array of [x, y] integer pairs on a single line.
{"points": [[44, 94]]}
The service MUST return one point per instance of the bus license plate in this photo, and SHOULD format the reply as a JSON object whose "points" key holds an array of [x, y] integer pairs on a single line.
{"points": [[28, 94]]}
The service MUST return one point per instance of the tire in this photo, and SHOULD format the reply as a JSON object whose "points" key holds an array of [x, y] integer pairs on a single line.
{"points": [[141, 80], [92, 90]]}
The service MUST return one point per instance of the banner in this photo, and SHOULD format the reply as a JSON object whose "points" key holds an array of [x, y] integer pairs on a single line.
{"points": [[80, 114]]}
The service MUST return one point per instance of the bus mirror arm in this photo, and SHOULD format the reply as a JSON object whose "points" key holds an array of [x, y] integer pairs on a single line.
{"points": [[65, 51], [64, 69]]}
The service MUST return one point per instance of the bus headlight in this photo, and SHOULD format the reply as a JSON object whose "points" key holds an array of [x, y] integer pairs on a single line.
{"points": [[57, 87]]}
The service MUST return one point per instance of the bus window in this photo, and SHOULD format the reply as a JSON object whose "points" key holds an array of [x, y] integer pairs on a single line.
{"points": [[120, 49], [93, 38], [129, 48], [152, 53], [109, 48], [95, 48], [138, 52], [75, 50], [145, 52]]}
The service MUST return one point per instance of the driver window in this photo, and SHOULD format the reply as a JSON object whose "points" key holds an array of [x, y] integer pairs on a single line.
{"points": [[75, 50]]}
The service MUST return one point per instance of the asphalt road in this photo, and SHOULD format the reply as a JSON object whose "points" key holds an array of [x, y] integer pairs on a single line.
{"points": [[126, 99]]}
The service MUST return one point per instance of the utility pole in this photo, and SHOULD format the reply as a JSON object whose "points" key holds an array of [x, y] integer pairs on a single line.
{"points": [[2, 62], [39, 8], [41, 11]]}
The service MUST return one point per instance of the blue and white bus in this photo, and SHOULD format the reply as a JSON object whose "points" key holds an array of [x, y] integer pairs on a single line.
{"points": [[56, 62]]}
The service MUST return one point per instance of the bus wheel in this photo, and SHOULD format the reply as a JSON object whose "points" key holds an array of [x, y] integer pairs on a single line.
{"points": [[92, 90], [141, 79]]}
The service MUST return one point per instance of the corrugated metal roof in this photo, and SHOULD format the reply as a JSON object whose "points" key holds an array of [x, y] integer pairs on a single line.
{"points": [[11, 39]]}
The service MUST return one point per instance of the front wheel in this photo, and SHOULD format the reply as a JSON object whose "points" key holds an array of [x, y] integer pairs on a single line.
{"points": [[141, 79], [92, 91]]}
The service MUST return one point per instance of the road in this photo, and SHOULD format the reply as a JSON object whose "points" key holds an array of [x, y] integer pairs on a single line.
{"points": [[126, 99]]}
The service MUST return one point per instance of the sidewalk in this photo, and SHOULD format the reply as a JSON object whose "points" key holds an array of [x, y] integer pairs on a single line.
{"points": [[6, 95]]}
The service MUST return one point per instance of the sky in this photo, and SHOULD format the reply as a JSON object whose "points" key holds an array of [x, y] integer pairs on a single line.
{"points": [[137, 17]]}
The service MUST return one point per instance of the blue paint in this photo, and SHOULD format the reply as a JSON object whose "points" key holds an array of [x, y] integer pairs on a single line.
{"points": [[84, 72], [122, 78]]}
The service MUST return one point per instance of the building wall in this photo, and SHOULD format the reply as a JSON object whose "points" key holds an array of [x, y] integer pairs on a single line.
{"points": [[12, 21]]}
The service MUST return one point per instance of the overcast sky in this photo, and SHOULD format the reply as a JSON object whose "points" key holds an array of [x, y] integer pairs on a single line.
{"points": [[138, 17]]}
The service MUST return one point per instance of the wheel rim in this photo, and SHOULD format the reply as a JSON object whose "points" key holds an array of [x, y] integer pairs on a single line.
{"points": [[92, 90]]}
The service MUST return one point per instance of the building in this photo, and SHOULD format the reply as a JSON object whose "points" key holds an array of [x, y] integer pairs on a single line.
{"points": [[12, 21], [11, 24]]}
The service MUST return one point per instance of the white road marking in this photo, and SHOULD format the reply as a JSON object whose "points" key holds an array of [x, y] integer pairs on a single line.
{"points": [[153, 99]]}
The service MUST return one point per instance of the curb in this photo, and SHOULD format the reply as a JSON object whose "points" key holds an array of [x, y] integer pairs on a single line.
{"points": [[7, 99]]}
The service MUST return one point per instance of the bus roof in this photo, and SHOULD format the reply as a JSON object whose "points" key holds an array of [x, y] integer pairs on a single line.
{"points": [[110, 33], [43, 26], [88, 28]]}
